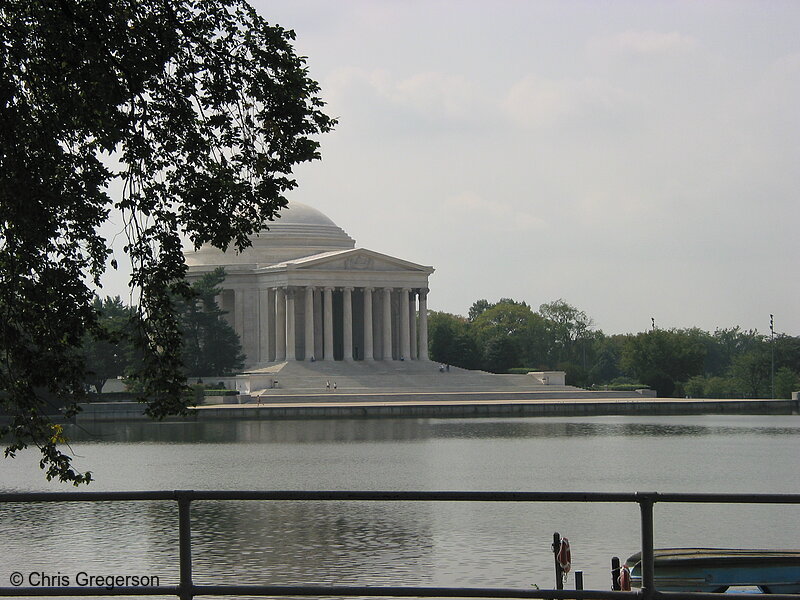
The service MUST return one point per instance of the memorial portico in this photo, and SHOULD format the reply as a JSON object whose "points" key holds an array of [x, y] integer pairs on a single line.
{"points": [[304, 292]]}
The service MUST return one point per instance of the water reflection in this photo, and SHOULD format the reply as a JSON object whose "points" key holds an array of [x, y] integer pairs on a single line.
{"points": [[120, 538], [312, 542], [391, 430], [602, 427], [275, 432]]}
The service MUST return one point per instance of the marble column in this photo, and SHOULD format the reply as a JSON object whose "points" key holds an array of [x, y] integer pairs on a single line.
{"points": [[328, 324], [405, 347], [251, 344], [238, 313], [309, 341], [247, 307], [318, 324], [368, 352], [263, 325], [226, 302], [291, 342], [412, 319], [280, 324], [387, 323], [271, 321], [423, 324], [347, 322]]}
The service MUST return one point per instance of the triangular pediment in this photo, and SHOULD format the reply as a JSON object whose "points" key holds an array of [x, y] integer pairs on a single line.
{"points": [[357, 259]]}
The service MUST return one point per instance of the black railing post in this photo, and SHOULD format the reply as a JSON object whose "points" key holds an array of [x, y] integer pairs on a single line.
{"points": [[615, 573], [559, 573], [646, 501], [186, 587]]}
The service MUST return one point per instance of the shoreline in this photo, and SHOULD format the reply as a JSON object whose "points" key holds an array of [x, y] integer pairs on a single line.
{"points": [[400, 406]]}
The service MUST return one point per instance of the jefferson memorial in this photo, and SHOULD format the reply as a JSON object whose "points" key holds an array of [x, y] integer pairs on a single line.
{"points": [[304, 292]]}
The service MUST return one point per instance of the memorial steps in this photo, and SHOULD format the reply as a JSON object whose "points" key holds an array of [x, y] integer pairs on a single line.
{"points": [[421, 379]]}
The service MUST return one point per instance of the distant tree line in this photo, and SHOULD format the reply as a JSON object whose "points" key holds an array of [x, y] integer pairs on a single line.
{"points": [[210, 345], [500, 337], [509, 336]]}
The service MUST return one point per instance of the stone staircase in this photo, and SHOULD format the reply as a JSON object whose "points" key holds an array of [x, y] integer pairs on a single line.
{"points": [[383, 377]]}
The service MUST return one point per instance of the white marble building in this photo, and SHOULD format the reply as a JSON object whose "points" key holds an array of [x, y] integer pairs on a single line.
{"points": [[304, 292]]}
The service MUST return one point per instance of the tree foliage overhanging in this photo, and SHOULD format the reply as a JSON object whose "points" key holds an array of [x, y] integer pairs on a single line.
{"points": [[197, 110], [508, 335]]}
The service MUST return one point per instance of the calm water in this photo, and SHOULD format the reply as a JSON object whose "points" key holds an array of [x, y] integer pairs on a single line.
{"points": [[481, 544]]}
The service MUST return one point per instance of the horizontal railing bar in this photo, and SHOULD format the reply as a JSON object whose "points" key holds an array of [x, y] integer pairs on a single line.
{"points": [[728, 498], [302, 495], [406, 592], [423, 496], [86, 496], [402, 496], [364, 591], [718, 596], [90, 591]]}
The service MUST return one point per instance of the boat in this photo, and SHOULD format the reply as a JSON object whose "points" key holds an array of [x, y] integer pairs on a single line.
{"points": [[718, 569]]}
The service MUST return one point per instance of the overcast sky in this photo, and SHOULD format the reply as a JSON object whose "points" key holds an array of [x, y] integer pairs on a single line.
{"points": [[638, 159]]}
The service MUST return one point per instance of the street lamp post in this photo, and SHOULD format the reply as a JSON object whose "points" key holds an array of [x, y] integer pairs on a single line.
{"points": [[772, 347]]}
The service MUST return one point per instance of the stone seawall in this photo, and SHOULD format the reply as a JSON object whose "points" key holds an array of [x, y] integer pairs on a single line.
{"points": [[498, 409], [399, 408]]}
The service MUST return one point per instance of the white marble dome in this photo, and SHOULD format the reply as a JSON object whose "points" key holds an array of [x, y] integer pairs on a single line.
{"points": [[297, 213], [300, 231]]}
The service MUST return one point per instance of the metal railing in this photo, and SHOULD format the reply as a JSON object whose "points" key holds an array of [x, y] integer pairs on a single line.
{"points": [[186, 589]]}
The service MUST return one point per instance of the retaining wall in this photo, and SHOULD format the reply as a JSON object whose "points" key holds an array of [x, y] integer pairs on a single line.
{"points": [[118, 411]]}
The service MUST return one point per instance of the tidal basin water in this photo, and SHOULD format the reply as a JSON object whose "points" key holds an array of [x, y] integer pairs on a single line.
{"points": [[413, 543]]}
